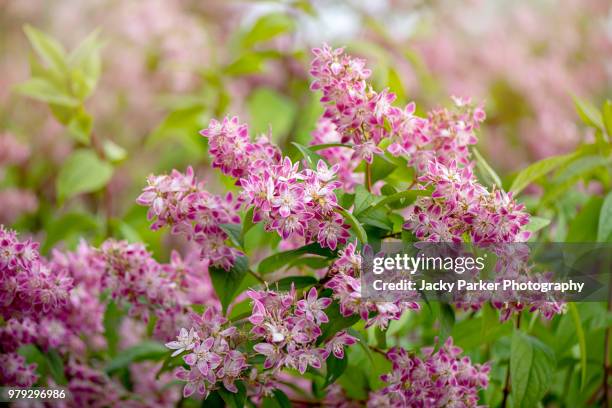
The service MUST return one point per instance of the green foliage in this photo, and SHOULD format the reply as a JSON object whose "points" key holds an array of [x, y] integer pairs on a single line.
{"points": [[270, 110], [64, 81], [82, 172], [531, 368], [226, 283], [604, 230], [144, 351]]}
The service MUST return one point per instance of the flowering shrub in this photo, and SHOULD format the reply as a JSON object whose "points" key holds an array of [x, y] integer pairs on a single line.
{"points": [[246, 289]]}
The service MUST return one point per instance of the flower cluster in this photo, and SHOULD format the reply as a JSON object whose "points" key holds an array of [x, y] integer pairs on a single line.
{"points": [[294, 203], [233, 152], [439, 379], [366, 118], [28, 287], [346, 286], [210, 354], [15, 371], [459, 206], [180, 201], [289, 328]]}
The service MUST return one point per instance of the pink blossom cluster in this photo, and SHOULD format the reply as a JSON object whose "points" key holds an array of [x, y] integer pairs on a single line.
{"points": [[459, 206], [365, 118], [12, 152], [181, 202], [232, 151], [294, 203], [15, 371], [345, 283], [28, 287], [211, 354], [439, 379], [289, 329]]}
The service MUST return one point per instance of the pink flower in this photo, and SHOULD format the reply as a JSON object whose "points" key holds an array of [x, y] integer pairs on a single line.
{"points": [[312, 308]]}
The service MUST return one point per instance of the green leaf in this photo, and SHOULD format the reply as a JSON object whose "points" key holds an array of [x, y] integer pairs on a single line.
{"points": [[299, 282], [405, 197], [269, 109], [381, 168], [357, 227], [486, 170], [80, 126], [70, 226], [581, 342], [604, 230], [363, 200], [447, 321], [335, 368], [248, 63], [147, 350], [112, 320], [278, 260], [311, 157], [336, 322], [268, 27], [537, 170], [247, 222], [537, 223], [278, 400], [324, 146], [56, 367], [45, 91], [606, 112], [48, 49], [226, 283], [113, 152], [234, 400], [82, 172], [531, 369], [588, 113], [86, 64], [234, 231], [584, 227]]}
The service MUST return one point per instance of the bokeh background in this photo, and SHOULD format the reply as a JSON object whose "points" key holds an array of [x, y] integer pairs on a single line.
{"points": [[168, 66]]}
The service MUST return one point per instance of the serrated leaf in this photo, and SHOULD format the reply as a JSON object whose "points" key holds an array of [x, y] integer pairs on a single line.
{"points": [[606, 112], [45, 91], [56, 367], [277, 261], [581, 342], [381, 168], [82, 172], [299, 282], [234, 400], [336, 322], [357, 227], [531, 369], [226, 283], [268, 109], [147, 350], [113, 152], [604, 230], [80, 126], [537, 223], [335, 368], [47, 48], [311, 157], [486, 170], [268, 27], [111, 322], [278, 400], [234, 231], [538, 169], [588, 113]]}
